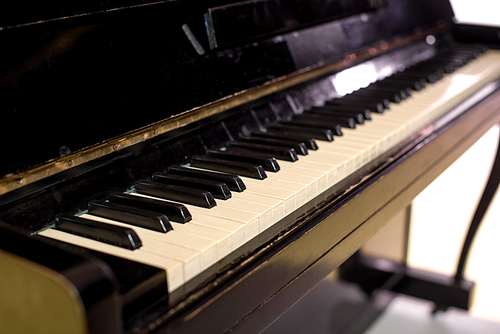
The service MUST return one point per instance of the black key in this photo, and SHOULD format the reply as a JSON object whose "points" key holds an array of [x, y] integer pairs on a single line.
{"points": [[364, 100], [318, 112], [239, 168], [218, 189], [447, 66], [409, 75], [381, 85], [195, 197], [268, 163], [472, 47], [233, 181], [426, 69], [287, 154], [373, 106], [395, 98], [294, 132], [351, 108], [110, 234], [331, 120], [334, 128], [310, 142], [400, 93], [415, 84], [174, 211], [129, 215], [466, 54], [365, 113], [437, 68], [443, 61], [429, 77], [299, 147]]}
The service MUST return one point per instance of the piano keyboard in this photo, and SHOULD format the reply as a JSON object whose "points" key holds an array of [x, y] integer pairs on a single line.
{"points": [[200, 247]]}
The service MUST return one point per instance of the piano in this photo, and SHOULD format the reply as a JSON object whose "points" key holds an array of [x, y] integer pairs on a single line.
{"points": [[175, 167]]}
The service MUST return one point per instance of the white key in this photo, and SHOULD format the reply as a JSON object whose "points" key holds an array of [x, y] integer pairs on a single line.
{"points": [[250, 220], [293, 194], [174, 269]]}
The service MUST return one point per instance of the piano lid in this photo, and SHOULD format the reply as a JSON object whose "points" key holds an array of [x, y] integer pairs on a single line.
{"points": [[73, 78]]}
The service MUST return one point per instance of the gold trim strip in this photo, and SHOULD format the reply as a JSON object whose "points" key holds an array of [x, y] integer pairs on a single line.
{"points": [[12, 182]]}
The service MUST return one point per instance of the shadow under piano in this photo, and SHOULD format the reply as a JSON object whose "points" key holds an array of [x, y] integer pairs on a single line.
{"points": [[176, 167]]}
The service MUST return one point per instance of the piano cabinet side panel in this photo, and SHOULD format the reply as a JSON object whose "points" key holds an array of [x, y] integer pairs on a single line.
{"points": [[37, 300], [50, 289]]}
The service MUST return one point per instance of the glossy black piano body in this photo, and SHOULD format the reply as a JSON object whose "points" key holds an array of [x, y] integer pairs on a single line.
{"points": [[80, 85]]}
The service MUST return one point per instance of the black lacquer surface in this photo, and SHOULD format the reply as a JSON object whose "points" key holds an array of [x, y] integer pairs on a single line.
{"points": [[75, 80], [246, 20]]}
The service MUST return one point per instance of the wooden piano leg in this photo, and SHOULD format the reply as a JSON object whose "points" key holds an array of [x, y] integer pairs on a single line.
{"points": [[488, 194], [397, 277]]}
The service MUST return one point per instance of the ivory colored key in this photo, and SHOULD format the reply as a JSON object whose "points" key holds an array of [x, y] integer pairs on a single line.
{"points": [[309, 182], [329, 170], [364, 152], [190, 259], [174, 245], [264, 212], [199, 238], [299, 169], [342, 164], [313, 180], [277, 205], [173, 268], [352, 157], [250, 220], [293, 194], [369, 144], [223, 239], [237, 229]]}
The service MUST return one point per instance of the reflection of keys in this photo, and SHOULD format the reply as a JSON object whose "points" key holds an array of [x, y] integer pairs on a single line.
{"points": [[215, 234]]}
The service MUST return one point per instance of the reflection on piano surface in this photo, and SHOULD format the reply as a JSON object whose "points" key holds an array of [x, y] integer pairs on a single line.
{"points": [[223, 170]]}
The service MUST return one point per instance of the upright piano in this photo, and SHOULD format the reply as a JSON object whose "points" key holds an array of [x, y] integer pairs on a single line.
{"points": [[177, 167]]}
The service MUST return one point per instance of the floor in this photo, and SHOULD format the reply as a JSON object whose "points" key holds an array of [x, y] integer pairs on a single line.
{"points": [[334, 307], [412, 316]]}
